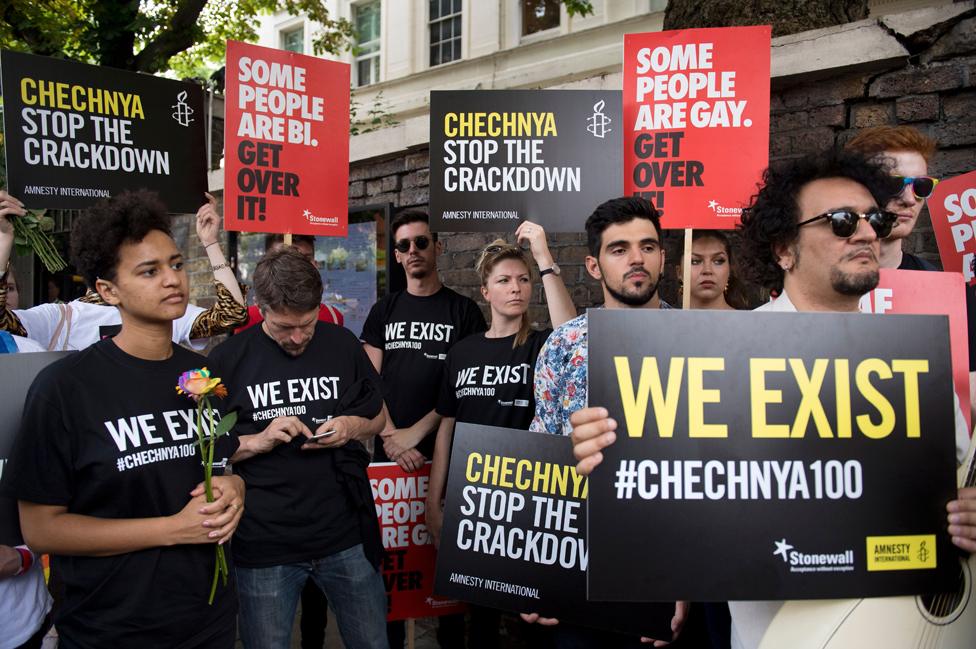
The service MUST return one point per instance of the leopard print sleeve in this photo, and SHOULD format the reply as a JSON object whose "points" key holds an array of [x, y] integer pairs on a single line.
{"points": [[9, 321], [223, 317]]}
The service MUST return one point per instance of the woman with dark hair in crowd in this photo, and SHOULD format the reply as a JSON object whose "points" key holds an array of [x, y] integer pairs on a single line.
{"points": [[714, 284], [510, 343], [105, 471]]}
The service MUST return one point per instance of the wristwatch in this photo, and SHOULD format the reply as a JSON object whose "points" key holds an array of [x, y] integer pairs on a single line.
{"points": [[554, 269]]}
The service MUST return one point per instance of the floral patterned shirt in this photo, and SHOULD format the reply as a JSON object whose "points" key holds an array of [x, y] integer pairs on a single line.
{"points": [[560, 377]]}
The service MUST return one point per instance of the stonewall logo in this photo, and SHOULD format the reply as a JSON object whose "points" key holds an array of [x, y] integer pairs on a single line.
{"points": [[730, 212], [814, 562], [320, 220]]}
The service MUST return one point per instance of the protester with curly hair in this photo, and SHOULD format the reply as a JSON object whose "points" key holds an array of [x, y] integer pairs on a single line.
{"points": [[812, 234], [89, 319], [105, 469]]}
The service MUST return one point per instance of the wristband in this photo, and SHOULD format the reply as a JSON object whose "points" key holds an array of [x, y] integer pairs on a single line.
{"points": [[26, 559], [212, 243]]}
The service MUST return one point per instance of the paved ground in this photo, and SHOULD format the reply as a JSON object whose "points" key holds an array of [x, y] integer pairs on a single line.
{"points": [[424, 634]]}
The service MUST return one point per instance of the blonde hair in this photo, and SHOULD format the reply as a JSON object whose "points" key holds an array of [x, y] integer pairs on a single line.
{"points": [[497, 251]]}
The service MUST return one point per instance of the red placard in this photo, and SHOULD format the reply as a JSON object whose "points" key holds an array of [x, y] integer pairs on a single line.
{"points": [[929, 293], [696, 121], [408, 568], [286, 142], [953, 211]]}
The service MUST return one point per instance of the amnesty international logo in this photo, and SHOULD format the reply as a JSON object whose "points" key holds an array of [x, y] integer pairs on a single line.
{"points": [[914, 552], [182, 110], [598, 122]]}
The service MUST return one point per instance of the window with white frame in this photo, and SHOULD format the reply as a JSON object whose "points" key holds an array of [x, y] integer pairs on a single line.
{"points": [[539, 15], [445, 31], [293, 40], [367, 52]]}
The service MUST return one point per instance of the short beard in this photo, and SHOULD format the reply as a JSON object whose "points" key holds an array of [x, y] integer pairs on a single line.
{"points": [[853, 284], [419, 274], [639, 299]]}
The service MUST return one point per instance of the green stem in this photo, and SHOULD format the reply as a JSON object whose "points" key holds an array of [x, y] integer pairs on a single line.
{"points": [[213, 584]]}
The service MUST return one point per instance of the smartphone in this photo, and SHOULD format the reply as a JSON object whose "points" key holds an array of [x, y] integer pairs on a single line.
{"points": [[324, 433]]}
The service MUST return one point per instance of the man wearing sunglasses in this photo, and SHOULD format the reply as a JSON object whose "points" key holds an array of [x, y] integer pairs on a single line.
{"points": [[812, 234], [407, 336], [905, 153]]}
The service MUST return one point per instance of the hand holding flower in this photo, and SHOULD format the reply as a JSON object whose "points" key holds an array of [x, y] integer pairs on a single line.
{"points": [[225, 512], [199, 386]]}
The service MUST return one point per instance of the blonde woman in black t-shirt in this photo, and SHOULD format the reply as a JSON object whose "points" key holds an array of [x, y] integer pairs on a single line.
{"points": [[489, 376]]}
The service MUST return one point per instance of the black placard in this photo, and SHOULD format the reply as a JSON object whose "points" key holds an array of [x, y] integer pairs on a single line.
{"points": [[76, 133], [17, 372], [499, 157], [519, 492], [851, 503]]}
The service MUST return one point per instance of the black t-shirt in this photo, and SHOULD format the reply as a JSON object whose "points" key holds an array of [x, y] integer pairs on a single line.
{"points": [[415, 333], [912, 262], [488, 382], [105, 434], [297, 506]]}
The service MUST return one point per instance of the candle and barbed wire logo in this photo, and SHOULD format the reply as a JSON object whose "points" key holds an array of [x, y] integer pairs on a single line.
{"points": [[182, 111], [598, 122]]}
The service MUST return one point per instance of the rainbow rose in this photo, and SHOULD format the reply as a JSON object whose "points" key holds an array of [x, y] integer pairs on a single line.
{"points": [[198, 383], [200, 386]]}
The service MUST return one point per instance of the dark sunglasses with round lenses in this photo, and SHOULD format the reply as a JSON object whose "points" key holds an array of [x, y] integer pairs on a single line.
{"points": [[922, 186], [844, 222], [403, 245]]}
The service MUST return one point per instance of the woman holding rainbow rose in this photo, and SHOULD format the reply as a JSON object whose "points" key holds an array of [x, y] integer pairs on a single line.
{"points": [[106, 469]]}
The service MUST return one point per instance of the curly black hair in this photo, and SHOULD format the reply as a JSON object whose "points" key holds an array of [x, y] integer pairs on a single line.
{"points": [[101, 230], [614, 211], [770, 220]]}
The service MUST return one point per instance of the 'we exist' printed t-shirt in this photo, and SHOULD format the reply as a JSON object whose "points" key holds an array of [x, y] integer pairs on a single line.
{"points": [[297, 506], [105, 434], [415, 334], [489, 382]]}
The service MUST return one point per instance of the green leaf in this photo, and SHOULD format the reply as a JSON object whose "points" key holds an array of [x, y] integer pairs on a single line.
{"points": [[226, 423]]}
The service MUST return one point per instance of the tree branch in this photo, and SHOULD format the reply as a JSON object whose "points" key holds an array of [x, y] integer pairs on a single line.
{"points": [[181, 33]]}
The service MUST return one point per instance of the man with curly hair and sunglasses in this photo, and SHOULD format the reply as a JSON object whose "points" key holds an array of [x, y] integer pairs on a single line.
{"points": [[905, 153], [812, 235]]}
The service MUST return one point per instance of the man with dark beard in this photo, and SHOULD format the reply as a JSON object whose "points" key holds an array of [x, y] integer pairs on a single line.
{"points": [[624, 240], [623, 235]]}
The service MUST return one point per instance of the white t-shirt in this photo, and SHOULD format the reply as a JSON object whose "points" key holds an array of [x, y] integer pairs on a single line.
{"points": [[27, 345], [24, 603], [85, 324], [751, 619]]}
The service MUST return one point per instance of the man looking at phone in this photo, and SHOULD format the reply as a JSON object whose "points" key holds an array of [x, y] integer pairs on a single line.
{"points": [[307, 397]]}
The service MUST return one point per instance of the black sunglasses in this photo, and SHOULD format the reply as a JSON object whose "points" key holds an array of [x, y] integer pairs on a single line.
{"points": [[403, 245], [922, 186], [844, 222]]}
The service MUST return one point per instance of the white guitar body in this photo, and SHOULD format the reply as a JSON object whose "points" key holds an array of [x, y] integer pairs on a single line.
{"points": [[945, 621]]}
